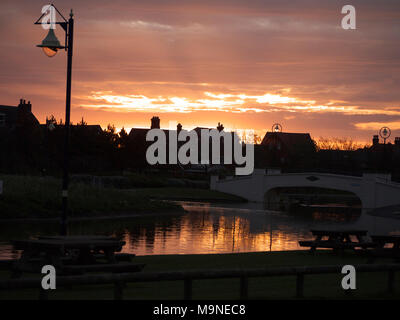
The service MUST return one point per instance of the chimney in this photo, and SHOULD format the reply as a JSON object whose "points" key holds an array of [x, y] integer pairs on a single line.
{"points": [[179, 127], [155, 123], [220, 127], [26, 107], [397, 141], [375, 140]]}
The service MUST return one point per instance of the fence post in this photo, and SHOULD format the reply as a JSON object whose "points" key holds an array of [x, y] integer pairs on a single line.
{"points": [[244, 287], [187, 290], [391, 281], [299, 285], [118, 290]]}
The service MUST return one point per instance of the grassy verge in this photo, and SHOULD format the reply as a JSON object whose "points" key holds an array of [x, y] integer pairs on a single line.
{"points": [[187, 194], [40, 197], [369, 285]]}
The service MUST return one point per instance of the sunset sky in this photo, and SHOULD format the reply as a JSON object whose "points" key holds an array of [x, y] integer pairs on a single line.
{"points": [[247, 64]]}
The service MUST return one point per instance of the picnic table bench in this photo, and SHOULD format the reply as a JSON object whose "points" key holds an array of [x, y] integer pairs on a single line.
{"points": [[72, 254], [382, 240], [118, 256], [381, 249], [337, 240]]}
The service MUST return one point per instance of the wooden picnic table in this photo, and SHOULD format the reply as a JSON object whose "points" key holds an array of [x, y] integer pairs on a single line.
{"points": [[381, 249], [382, 240], [337, 239], [62, 251]]}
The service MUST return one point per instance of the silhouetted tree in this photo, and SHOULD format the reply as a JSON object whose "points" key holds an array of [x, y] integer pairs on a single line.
{"points": [[335, 143], [123, 138]]}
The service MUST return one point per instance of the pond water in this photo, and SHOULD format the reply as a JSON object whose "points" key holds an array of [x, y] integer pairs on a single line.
{"points": [[210, 228]]}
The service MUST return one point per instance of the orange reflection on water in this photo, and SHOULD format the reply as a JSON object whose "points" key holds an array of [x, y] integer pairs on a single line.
{"points": [[205, 233]]}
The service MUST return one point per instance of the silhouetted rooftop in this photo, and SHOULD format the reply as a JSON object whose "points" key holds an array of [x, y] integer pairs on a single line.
{"points": [[288, 138]]}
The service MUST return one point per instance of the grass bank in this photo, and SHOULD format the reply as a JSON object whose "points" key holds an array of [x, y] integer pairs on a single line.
{"points": [[40, 197], [369, 285]]}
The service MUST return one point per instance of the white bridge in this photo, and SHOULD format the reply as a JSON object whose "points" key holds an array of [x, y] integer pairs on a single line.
{"points": [[374, 190]]}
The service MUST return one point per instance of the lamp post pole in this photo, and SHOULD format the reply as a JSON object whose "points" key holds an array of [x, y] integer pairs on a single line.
{"points": [[65, 183], [50, 46]]}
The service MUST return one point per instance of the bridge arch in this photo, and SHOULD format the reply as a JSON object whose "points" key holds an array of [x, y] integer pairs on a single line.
{"points": [[374, 190], [284, 196], [349, 184]]}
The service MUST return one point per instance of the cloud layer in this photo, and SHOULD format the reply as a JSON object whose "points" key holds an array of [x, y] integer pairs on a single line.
{"points": [[247, 64]]}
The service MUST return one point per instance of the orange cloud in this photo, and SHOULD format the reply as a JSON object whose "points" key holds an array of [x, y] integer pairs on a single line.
{"points": [[225, 102], [394, 125]]}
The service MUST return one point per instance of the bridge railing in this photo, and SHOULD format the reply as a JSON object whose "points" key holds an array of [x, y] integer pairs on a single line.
{"points": [[120, 280]]}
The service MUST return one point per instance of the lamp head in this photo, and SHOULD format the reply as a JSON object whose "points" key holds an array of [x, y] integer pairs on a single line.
{"points": [[50, 44]]}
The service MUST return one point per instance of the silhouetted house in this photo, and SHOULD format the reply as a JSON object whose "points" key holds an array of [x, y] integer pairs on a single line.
{"points": [[284, 149], [19, 137], [17, 116], [220, 128], [382, 147], [138, 135], [139, 145], [384, 156]]}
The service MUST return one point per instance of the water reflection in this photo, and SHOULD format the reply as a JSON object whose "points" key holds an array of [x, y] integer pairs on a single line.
{"points": [[207, 228]]}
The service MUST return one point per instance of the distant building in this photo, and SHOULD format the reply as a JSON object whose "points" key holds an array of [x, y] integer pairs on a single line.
{"points": [[287, 141], [139, 134], [380, 147], [138, 144], [137, 137], [384, 156], [17, 116], [284, 149], [19, 137]]}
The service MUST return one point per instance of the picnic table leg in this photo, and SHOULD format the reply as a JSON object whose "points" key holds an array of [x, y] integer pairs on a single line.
{"points": [[362, 241], [314, 246], [23, 260], [360, 238], [109, 253], [396, 251], [332, 238], [390, 281], [348, 240]]}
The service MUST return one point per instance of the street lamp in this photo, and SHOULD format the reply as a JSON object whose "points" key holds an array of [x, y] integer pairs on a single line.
{"points": [[50, 46], [276, 127]]}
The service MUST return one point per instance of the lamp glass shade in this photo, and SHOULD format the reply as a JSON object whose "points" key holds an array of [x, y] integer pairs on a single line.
{"points": [[50, 44], [50, 52]]}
